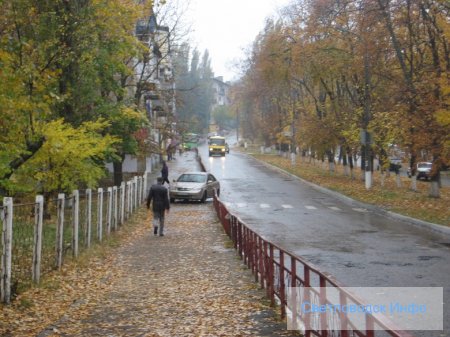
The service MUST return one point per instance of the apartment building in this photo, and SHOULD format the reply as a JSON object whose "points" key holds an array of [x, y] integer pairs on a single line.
{"points": [[220, 98], [154, 89], [221, 92]]}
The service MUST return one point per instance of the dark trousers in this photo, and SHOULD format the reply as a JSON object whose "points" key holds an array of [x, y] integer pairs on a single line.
{"points": [[158, 219]]}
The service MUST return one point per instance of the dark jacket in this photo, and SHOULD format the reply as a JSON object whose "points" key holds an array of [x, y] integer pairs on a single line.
{"points": [[158, 193], [165, 171]]}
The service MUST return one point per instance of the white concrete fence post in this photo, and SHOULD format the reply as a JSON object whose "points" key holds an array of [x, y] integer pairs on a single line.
{"points": [[109, 211], [125, 203], [140, 191], [135, 204], [136, 192], [7, 217], [88, 216], [143, 189], [130, 198], [140, 181], [122, 202], [75, 222], [100, 215], [115, 213], [145, 185], [60, 230], [37, 249], [126, 200]]}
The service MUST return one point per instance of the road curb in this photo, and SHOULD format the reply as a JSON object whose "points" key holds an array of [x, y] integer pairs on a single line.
{"points": [[352, 202]]}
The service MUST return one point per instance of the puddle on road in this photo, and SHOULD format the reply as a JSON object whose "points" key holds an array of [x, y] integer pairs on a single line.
{"points": [[428, 258], [364, 231], [353, 265], [392, 264]]}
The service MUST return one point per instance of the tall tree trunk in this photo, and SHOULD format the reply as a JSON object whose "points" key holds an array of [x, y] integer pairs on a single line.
{"points": [[363, 162], [434, 189], [118, 171], [384, 8], [343, 155], [398, 179], [412, 165], [350, 162], [435, 185]]}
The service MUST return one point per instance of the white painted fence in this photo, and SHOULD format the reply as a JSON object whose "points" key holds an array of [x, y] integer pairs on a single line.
{"points": [[75, 222]]}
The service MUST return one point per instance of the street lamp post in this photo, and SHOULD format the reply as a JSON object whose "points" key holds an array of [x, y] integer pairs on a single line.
{"points": [[367, 117]]}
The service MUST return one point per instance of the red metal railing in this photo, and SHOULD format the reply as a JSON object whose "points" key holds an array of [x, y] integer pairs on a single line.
{"points": [[278, 271]]}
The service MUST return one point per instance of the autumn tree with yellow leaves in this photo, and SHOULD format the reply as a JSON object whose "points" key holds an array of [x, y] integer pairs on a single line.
{"points": [[59, 67], [330, 69]]}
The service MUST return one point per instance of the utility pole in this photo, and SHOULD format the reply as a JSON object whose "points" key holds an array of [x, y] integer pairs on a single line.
{"points": [[367, 115]]}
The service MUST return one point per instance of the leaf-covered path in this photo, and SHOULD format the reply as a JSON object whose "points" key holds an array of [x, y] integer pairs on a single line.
{"points": [[187, 283]]}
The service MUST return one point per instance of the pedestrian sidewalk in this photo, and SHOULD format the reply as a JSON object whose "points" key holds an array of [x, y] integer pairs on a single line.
{"points": [[187, 283]]}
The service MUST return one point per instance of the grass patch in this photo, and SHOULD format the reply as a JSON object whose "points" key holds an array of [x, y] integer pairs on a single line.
{"points": [[50, 284], [25, 303], [100, 250], [228, 244], [401, 200]]}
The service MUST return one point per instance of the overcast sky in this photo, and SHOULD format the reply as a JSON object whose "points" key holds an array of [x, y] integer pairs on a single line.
{"points": [[227, 27]]}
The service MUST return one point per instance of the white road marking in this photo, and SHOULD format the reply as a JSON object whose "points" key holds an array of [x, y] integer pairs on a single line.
{"points": [[310, 207], [286, 206], [360, 210], [334, 208]]}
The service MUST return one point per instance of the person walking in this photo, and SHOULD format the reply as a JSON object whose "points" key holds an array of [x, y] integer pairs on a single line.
{"points": [[169, 152], [161, 204], [165, 173]]}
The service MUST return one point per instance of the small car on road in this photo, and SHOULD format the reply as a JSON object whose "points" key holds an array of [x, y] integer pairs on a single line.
{"points": [[194, 186], [423, 170], [216, 146]]}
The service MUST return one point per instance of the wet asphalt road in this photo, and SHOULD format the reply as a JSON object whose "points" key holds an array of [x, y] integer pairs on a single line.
{"points": [[357, 246]]}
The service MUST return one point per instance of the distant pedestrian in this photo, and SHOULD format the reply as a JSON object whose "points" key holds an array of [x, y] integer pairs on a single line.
{"points": [[165, 173], [170, 152], [161, 204]]}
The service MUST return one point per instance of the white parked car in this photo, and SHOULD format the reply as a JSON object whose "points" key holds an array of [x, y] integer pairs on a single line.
{"points": [[423, 170], [194, 186]]}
